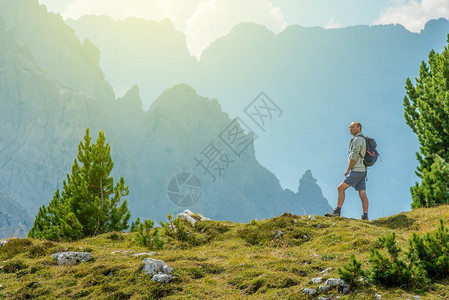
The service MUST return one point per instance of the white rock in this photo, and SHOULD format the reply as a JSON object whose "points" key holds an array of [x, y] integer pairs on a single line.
{"points": [[153, 266], [326, 271], [322, 298], [340, 282], [378, 296], [164, 278], [324, 288], [416, 297], [333, 282], [311, 217], [309, 291], [3, 243], [71, 258], [184, 216], [188, 212], [317, 280], [187, 215], [144, 253]]}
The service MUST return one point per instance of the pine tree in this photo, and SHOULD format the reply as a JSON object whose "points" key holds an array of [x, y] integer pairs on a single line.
{"points": [[352, 272], [89, 203], [392, 270], [434, 187], [432, 252], [426, 111]]}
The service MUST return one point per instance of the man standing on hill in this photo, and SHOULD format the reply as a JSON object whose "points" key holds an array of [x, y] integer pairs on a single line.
{"points": [[355, 173]]}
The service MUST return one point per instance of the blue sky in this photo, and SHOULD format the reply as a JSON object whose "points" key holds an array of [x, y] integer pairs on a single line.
{"points": [[203, 21]]}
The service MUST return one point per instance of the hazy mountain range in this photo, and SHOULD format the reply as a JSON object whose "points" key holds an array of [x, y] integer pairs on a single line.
{"points": [[52, 88], [316, 81], [322, 79]]}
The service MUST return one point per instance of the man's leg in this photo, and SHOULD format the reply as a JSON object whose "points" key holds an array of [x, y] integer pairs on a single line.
{"points": [[341, 193], [341, 198], [364, 199]]}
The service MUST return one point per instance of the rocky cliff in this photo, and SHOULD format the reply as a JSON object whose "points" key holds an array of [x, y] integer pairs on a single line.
{"points": [[42, 120]]}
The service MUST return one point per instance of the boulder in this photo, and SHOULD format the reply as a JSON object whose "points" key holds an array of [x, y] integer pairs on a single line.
{"points": [[154, 266], [324, 288], [162, 272], [335, 282], [191, 217], [71, 258], [309, 292], [164, 278], [317, 280]]}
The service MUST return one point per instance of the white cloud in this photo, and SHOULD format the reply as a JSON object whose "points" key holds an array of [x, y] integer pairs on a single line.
{"points": [[332, 24], [414, 14], [215, 18]]}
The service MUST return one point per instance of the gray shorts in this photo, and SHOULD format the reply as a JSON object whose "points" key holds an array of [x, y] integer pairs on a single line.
{"points": [[356, 180]]}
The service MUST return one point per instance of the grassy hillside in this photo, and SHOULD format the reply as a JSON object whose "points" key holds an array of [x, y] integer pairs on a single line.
{"points": [[219, 260]]}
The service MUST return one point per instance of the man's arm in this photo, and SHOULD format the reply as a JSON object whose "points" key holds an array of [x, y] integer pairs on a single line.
{"points": [[354, 153], [351, 163]]}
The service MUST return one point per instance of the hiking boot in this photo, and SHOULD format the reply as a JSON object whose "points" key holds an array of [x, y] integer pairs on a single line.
{"points": [[365, 218], [335, 213]]}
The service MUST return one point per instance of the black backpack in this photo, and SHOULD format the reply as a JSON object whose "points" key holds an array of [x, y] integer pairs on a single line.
{"points": [[371, 154]]}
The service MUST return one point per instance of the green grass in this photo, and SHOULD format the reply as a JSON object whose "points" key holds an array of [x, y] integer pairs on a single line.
{"points": [[218, 260]]}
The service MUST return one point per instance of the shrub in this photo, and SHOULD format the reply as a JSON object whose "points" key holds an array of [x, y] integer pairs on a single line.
{"points": [[146, 235], [434, 187], [432, 252], [392, 270], [352, 271], [175, 229]]}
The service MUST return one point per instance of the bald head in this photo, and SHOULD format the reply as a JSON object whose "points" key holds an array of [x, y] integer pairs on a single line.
{"points": [[355, 127]]}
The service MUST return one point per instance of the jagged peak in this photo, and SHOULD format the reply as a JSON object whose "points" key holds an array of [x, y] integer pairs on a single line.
{"points": [[431, 25], [307, 180], [132, 99], [181, 95]]}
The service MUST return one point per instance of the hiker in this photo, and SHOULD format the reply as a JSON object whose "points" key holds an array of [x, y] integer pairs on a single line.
{"points": [[355, 173]]}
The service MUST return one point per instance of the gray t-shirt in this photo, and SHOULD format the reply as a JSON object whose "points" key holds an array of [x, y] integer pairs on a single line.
{"points": [[357, 150]]}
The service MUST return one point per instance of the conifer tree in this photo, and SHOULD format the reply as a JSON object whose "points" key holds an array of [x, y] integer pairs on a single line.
{"points": [[426, 111], [434, 187], [89, 204]]}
